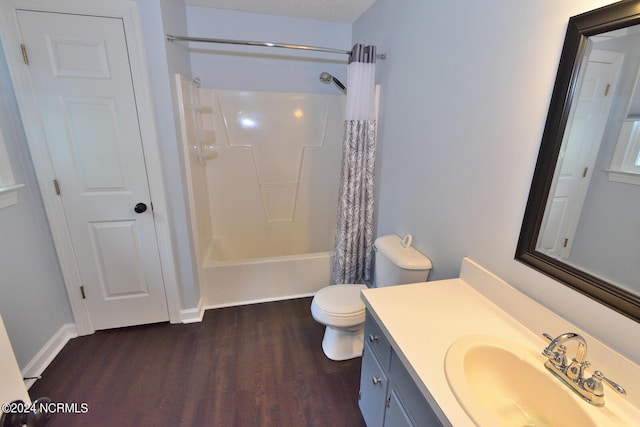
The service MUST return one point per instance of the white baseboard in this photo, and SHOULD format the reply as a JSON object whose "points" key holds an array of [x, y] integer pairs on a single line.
{"points": [[193, 315], [45, 356], [258, 301]]}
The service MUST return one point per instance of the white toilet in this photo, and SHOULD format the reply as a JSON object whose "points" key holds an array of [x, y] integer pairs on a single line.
{"points": [[340, 308]]}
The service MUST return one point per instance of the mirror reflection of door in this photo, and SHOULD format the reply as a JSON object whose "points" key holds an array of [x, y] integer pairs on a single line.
{"points": [[580, 146]]}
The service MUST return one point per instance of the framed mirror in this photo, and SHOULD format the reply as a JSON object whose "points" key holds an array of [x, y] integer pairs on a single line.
{"points": [[582, 221]]}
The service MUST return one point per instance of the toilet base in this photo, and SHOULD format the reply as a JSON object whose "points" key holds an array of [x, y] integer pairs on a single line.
{"points": [[343, 344]]}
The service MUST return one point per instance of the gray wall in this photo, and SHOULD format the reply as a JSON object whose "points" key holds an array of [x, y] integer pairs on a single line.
{"points": [[33, 300], [262, 68], [164, 59], [465, 94]]}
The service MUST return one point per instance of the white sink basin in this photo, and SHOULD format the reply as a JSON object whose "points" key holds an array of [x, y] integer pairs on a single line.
{"points": [[499, 382]]}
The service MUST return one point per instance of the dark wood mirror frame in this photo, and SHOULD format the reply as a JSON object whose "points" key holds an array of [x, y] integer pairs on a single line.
{"points": [[618, 15]]}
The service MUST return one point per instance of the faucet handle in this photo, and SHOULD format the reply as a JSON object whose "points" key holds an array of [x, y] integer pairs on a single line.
{"points": [[595, 383], [599, 375], [547, 351], [559, 358]]}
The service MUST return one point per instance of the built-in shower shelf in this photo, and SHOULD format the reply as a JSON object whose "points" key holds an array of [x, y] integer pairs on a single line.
{"points": [[202, 109]]}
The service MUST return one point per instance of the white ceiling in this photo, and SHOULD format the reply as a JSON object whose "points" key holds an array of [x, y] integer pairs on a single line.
{"points": [[324, 10]]}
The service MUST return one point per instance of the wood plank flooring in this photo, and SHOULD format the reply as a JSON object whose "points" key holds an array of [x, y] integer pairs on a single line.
{"points": [[255, 365]]}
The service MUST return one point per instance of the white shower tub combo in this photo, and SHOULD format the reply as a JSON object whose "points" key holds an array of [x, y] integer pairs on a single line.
{"points": [[263, 171]]}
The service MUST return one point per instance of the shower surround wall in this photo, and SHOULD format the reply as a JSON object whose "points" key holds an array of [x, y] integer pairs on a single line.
{"points": [[264, 170]]}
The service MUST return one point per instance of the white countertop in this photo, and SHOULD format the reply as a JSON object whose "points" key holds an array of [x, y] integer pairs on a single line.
{"points": [[422, 320]]}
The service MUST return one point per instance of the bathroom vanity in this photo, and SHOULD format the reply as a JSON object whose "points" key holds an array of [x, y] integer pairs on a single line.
{"points": [[388, 394], [407, 378]]}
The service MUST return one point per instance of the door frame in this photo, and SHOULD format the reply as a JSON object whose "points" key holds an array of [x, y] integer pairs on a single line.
{"points": [[25, 95]]}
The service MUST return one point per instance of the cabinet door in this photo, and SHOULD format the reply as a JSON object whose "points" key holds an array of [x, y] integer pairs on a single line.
{"points": [[413, 401], [396, 416], [373, 389]]}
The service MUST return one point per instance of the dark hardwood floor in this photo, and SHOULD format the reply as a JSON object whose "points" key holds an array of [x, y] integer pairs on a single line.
{"points": [[255, 365]]}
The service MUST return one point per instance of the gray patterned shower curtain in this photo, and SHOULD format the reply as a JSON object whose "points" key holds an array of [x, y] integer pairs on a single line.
{"points": [[354, 238]]}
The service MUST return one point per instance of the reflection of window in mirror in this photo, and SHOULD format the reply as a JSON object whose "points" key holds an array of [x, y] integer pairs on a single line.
{"points": [[625, 165], [8, 187]]}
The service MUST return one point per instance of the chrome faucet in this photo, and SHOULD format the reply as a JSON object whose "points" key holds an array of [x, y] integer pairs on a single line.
{"points": [[575, 370], [572, 374]]}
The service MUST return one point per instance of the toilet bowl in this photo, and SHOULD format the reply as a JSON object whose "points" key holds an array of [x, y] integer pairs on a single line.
{"points": [[340, 307]]}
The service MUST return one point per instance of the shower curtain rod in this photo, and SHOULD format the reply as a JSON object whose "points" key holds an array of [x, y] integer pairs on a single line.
{"points": [[173, 38]]}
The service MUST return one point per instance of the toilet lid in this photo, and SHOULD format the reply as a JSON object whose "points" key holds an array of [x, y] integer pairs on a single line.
{"points": [[340, 299]]}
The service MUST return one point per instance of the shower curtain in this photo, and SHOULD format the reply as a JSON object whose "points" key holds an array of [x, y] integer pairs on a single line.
{"points": [[354, 238]]}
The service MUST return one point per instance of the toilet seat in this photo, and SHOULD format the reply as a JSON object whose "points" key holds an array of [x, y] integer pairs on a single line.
{"points": [[339, 305]]}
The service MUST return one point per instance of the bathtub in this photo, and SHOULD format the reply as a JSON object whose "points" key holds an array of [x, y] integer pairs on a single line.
{"points": [[235, 282]]}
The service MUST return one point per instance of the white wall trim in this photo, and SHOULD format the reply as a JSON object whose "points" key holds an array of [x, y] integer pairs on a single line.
{"points": [[9, 195], [193, 315], [10, 34], [45, 356], [624, 177]]}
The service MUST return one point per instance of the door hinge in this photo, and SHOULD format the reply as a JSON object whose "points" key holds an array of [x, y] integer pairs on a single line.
{"points": [[566, 242], [606, 90], [84, 296], [56, 184], [584, 172], [25, 57]]}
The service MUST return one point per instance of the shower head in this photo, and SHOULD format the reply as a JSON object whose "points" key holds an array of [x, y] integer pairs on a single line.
{"points": [[327, 78]]}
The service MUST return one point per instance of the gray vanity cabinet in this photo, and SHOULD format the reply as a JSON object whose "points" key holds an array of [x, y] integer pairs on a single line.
{"points": [[388, 395], [373, 389]]}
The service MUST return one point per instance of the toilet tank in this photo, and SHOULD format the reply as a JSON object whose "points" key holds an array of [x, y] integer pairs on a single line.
{"points": [[397, 264]]}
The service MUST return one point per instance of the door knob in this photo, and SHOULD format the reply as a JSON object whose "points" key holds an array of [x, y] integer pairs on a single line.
{"points": [[140, 207]]}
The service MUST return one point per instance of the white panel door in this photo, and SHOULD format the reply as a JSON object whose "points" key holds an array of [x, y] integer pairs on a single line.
{"points": [[81, 76]]}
